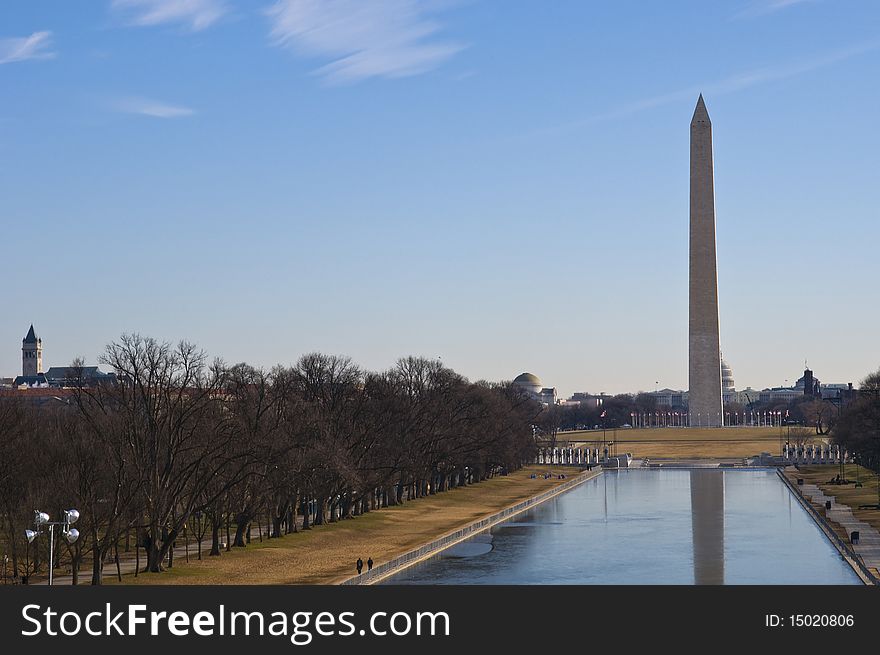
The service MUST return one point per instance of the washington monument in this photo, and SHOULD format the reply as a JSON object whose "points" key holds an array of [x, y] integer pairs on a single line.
{"points": [[704, 371]]}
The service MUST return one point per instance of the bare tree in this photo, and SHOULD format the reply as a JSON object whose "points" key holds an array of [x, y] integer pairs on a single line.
{"points": [[174, 432]]}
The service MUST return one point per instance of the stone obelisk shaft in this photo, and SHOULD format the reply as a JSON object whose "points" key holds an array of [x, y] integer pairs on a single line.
{"points": [[704, 375]]}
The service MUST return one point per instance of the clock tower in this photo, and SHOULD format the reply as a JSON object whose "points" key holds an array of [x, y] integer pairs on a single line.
{"points": [[31, 354]]}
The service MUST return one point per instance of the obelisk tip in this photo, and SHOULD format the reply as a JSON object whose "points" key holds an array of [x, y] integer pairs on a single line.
{"points": [[701, 114]]}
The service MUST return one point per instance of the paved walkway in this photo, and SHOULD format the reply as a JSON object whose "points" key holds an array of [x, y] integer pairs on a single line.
{"points": [[868, 547], [127, 561]]}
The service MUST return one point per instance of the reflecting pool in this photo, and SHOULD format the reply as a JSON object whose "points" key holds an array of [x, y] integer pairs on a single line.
{"points": [[640, 526]]}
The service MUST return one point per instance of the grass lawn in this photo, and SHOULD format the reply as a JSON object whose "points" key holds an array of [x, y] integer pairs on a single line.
{"points": [[327, 554], [690, 443]]}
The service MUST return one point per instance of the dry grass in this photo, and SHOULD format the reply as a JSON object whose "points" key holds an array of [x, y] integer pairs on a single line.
{"points": [[690, 443], [326, 555]]}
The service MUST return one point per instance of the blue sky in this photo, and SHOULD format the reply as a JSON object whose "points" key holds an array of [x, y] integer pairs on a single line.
{"points": [[502, 184]]}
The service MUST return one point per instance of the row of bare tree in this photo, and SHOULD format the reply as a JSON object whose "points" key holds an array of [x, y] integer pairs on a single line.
{"points": [[181, 446]]}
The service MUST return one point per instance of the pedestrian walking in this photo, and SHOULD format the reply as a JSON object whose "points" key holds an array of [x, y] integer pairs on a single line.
{"points": [[370, 564], [360, 565]]}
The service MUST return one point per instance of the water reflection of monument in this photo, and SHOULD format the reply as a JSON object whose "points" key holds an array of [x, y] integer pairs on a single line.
{"points": [[707, 525]]}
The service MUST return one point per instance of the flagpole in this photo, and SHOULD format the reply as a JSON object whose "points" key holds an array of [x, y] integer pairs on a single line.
{"points": [[604, 443]]}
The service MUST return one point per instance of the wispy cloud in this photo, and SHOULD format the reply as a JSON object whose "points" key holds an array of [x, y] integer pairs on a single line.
{"points": [[35, 46], [762, 7], [194, 14], [375, 38], [153, 108], [731, 84]]}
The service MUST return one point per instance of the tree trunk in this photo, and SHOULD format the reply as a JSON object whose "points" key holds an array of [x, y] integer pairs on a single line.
{"points": [[241, 524], [305, 513], [291, 511], [154, 558], [97, 565], [215, 536], [321, 511]]}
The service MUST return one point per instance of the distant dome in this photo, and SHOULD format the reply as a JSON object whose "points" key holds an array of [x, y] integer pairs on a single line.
{"points": [[528, 382], [727, 383], [527, 378]]}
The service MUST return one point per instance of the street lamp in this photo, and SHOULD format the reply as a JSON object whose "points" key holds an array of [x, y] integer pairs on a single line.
{"points": [[41, 520]]}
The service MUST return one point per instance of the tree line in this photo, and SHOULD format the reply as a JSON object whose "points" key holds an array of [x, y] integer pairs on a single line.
{"points": [[858, 427], [181, 447]]}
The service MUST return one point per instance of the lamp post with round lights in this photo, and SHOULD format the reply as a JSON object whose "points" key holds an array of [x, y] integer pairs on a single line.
{"points": [[41, 521]]}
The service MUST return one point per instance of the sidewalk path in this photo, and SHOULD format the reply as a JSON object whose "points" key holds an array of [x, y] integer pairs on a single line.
{"points": [[868, 547]]}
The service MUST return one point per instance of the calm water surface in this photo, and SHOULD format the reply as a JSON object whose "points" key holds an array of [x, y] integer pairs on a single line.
{"points": [[703, 526]]}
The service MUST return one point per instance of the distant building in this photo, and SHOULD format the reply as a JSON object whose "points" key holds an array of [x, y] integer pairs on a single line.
{"points": [[807, 385], [669, 398], [747, 397], [728, 386], [528, 383], [678, 399], [586, 399], [840, 393], [810, 386], [70, 376], [31, 354], [37, 381], [779, 395], [33, 377], [532, 385], [729, 394]]}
